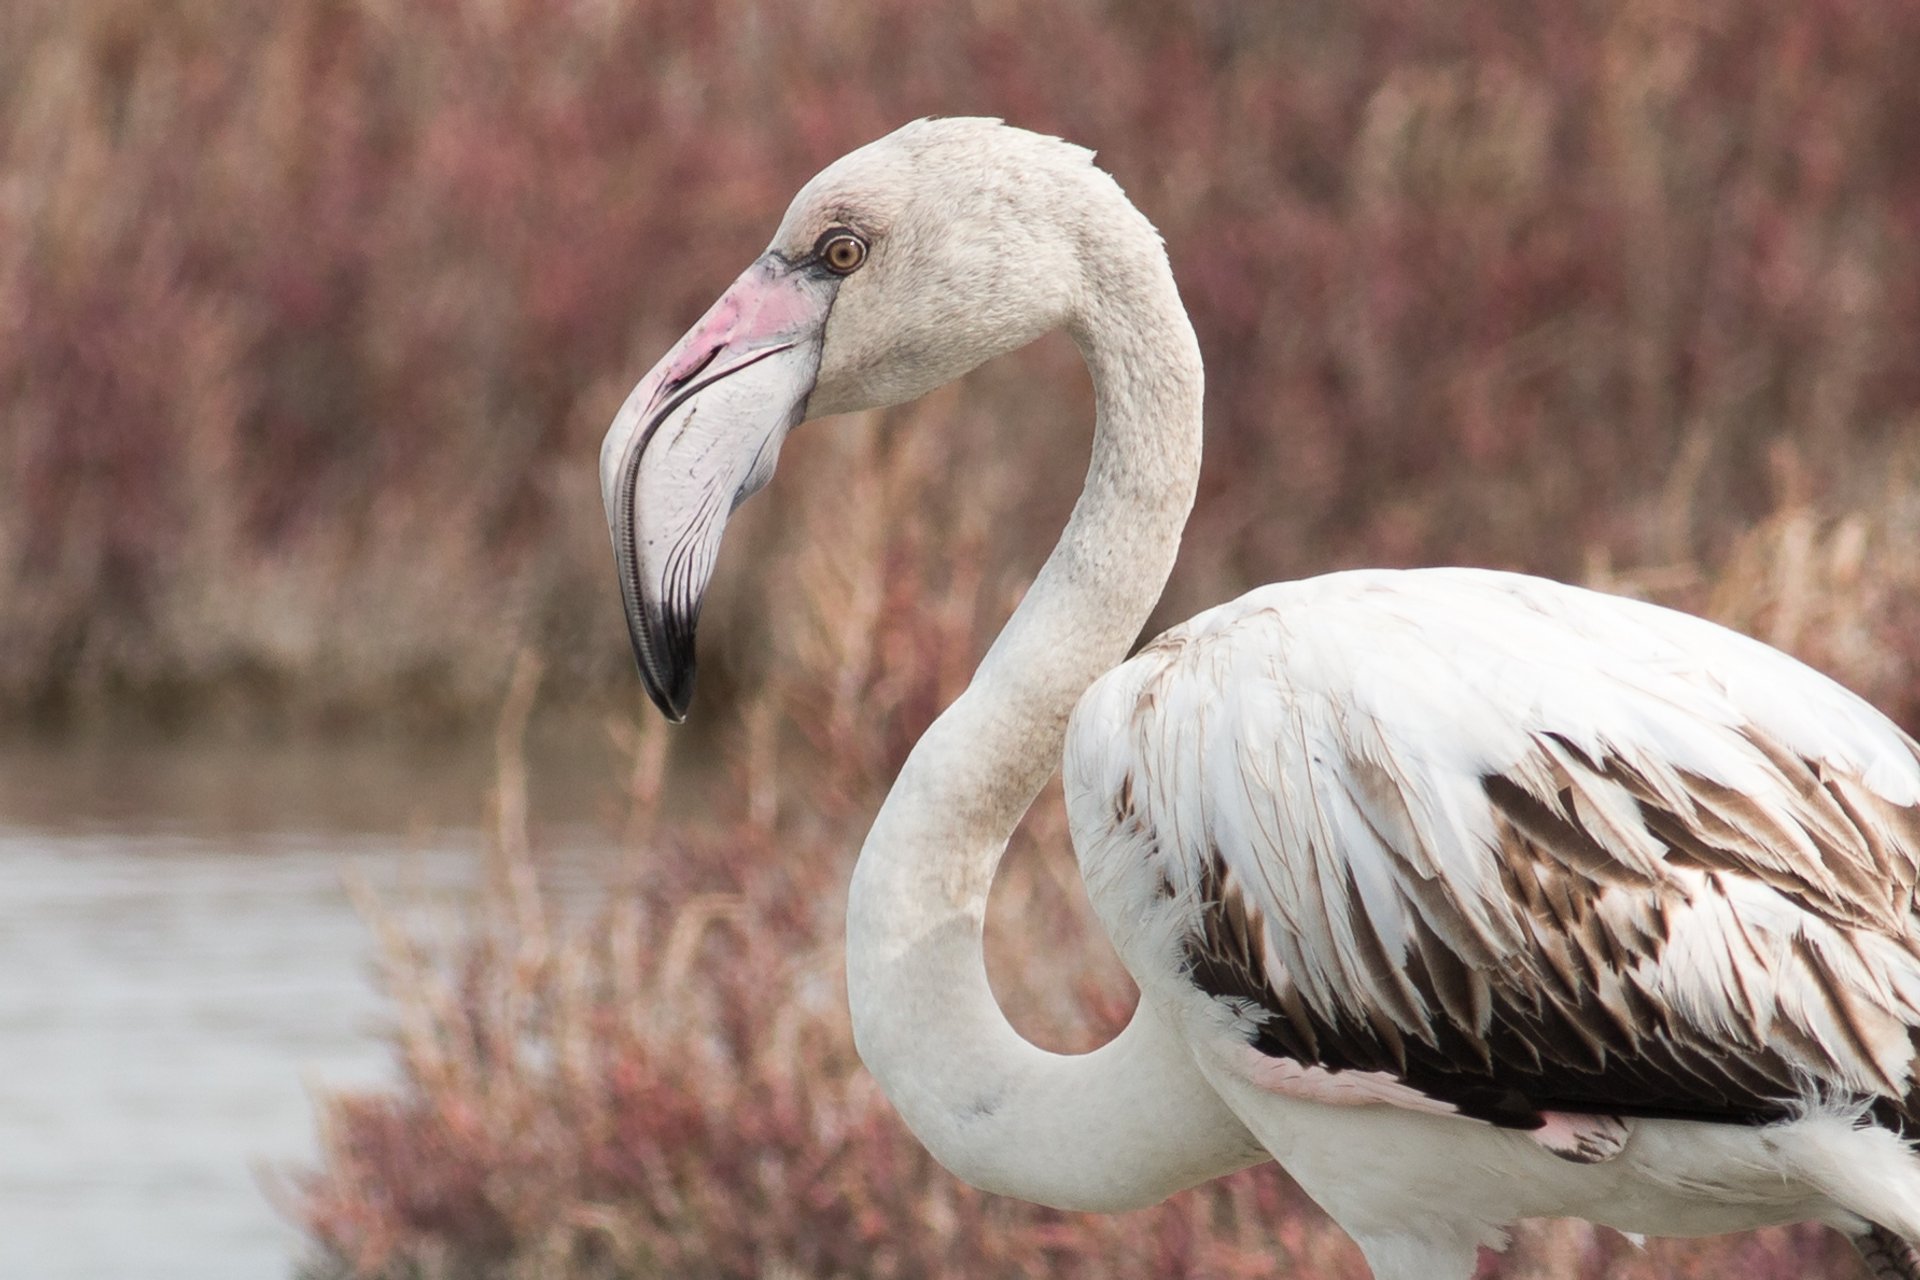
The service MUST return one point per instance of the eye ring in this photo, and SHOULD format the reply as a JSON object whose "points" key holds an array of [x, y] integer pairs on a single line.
{"points": [[841, 251]]}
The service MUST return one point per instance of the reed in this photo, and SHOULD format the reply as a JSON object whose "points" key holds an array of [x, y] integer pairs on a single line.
{"points": [[312, 311], [661, 1083]]}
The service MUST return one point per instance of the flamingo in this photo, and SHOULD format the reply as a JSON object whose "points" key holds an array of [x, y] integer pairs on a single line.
{"points": [[1466, 896]]}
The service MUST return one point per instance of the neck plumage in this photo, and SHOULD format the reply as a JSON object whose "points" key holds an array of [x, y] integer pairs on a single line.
{"points": [[1133, 1121]]}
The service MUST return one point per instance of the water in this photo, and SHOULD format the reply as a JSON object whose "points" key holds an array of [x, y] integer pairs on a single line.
{"points": [[180, 966]]}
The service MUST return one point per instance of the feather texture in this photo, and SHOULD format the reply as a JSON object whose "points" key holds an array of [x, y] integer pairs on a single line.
{"points": [[1522, 848]]}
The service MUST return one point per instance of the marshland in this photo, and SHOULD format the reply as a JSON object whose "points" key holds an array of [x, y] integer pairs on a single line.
{"points": [[312, 314]]}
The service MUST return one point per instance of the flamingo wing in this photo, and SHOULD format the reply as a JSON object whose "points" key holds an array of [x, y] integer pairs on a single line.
{"points": [[1512, 849]]}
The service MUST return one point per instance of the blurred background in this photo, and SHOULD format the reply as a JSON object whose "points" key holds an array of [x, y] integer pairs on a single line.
{"points": [[312, 314]]}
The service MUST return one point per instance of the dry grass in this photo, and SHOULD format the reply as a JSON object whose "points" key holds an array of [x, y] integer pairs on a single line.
{"points": [[312, 311], [666, 1086]]}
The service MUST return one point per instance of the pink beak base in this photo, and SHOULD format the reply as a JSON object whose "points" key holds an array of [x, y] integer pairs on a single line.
{"points": [[764, 307]]}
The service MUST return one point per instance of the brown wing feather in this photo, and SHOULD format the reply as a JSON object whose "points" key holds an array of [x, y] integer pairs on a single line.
{"points": [[1599, 859]]}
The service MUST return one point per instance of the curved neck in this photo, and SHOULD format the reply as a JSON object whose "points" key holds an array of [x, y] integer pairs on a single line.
{"points": [[1133, 1121]]}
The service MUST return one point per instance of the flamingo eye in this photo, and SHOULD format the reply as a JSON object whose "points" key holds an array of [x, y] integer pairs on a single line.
{"points": [[842, 251]]}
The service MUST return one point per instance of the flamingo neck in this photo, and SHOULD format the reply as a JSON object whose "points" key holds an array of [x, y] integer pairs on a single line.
{"points": [[1131, 1122]]}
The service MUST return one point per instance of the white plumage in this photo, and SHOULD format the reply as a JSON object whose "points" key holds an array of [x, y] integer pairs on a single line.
{"points": [[1497, 847], [1469, 897]]}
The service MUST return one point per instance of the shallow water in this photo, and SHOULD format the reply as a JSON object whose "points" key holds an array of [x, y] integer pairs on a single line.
{"points": [[179, 966]]}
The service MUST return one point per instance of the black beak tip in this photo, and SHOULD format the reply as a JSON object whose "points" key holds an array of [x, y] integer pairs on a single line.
{"points": [[664, 655], [670, 690], [673, 701]]}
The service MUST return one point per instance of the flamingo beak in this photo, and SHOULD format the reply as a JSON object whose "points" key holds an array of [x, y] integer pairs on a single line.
{"points": [[695, 439]]}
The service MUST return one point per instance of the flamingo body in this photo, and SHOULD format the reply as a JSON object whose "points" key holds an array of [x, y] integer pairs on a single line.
{"points": [[1482, 897]]}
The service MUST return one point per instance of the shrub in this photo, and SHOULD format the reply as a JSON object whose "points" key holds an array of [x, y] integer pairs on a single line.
{"points": [[312, 311]]}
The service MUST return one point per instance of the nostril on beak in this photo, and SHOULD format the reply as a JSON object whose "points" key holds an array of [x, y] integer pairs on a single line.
{"points": [[688, 374]]}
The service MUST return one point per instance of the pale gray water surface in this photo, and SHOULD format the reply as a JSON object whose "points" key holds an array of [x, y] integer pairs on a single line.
{"points": [[180, 965]]}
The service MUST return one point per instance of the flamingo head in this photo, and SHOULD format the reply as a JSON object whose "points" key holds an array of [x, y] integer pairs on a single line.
{"points": [[898, 268]]}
